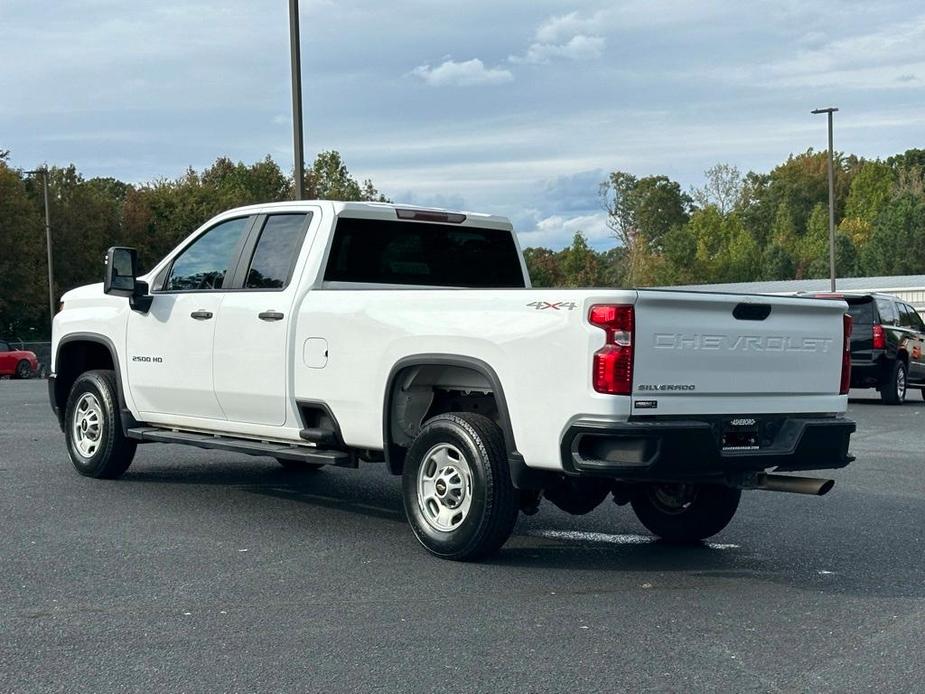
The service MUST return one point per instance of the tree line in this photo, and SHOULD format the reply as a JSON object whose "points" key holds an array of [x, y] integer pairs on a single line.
{"points": [[754, 226], [735, 227], [88, 215]]}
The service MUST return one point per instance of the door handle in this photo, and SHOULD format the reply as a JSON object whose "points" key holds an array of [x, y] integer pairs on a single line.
{"points": [[270, 315], [201, 315]]}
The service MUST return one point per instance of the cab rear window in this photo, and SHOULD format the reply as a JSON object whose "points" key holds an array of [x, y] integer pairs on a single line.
{"points": [[422, 254]]}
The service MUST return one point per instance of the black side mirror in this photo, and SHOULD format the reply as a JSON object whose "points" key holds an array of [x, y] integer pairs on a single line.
{"points": [[119, 278]]}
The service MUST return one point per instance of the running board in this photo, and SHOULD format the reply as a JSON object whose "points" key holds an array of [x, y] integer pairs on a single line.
{"points": [[247, 446]]}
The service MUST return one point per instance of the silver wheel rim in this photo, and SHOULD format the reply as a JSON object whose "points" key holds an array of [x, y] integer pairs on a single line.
{"points": [[444, 487], [901, 383], [673, 499], [87, 425]]}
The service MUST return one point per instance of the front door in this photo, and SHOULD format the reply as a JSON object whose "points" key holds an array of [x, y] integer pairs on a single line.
{"points": [[911, 321], [169, 348], [254, 328]]}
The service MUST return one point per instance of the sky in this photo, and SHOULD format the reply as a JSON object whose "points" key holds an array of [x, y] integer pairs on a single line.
{"points": [[513, 108]]}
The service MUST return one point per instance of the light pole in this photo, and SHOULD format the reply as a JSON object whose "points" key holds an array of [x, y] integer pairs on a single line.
{"points": [[51, 271], [830, 111], [296, 69]]}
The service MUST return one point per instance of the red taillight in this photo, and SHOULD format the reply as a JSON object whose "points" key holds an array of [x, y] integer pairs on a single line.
{"points": [[879, 337], [613, 363], [846, 356]]}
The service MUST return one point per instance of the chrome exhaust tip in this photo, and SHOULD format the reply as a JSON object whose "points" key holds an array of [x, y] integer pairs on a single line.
{"points": [[813, 486]]}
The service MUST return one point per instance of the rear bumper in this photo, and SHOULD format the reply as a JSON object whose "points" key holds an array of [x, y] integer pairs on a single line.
{"points": [[868, 373], [679, 449]]}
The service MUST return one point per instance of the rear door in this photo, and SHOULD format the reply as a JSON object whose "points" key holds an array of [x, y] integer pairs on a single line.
{"points": [[724, 353], [914, 329], [7, 365], [252, 353]]}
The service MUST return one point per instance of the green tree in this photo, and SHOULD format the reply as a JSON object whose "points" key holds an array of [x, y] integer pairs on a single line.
{"points": [[640, 213], [23, 297], [723, 188], [870, 191], [543, 266], [329, 179], [897, 246], [581, 266]]}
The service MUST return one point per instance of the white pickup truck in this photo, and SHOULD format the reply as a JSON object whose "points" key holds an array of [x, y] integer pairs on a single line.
{"points": [[328, 333]]}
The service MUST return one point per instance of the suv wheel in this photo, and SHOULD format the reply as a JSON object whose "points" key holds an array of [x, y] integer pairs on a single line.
{"points": [[457, 489], [893, 391], [684, 512], [95, 441]]}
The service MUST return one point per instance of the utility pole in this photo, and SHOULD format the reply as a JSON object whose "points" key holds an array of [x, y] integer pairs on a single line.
{"points": [[296, 70], [51, 271], [829, 111]]}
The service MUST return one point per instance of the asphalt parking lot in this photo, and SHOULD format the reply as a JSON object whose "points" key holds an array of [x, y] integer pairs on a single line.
{"points": [[209, 571]]}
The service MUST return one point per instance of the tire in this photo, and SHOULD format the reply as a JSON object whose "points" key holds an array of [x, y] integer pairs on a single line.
{"points": [[23, 370], [298, 465], [893, 391], [93, 429], [684, 512], [456, 487]]}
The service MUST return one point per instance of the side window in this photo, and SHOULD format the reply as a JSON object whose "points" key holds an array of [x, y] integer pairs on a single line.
{"points": [[4, 347], [204, 264], [887, 312], [276, 251], [917, 322], [908, 316]]}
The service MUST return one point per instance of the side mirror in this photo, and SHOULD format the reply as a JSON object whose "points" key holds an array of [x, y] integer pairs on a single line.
{"points": [[119, 278]]}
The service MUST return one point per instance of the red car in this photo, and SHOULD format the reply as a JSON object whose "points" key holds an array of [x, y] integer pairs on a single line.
{"points": [[17, 363]]}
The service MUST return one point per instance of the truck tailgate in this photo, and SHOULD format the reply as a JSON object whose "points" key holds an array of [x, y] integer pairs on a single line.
{"points": [[699, 352]]}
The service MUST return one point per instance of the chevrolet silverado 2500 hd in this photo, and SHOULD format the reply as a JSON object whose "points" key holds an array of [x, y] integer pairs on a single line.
{"points": [[327, 333]]}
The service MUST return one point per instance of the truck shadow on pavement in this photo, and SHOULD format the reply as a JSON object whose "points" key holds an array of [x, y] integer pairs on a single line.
{"points": [[828, 561]]}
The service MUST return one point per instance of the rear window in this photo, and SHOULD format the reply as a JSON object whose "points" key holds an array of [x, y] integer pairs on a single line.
{"points": [[422, 254], [861, 312]]}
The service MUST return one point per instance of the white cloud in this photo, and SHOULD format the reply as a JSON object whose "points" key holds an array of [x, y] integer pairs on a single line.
{"points": [[557, 231], [462, 74], [579, 47], [569, 37], [889, 57], [563, 27]]}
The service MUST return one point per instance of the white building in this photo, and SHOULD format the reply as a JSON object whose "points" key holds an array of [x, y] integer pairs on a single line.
{"points": [[909, 288]]}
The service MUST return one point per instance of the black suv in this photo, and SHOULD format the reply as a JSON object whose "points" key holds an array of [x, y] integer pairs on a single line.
{"points": [[887, 345]]}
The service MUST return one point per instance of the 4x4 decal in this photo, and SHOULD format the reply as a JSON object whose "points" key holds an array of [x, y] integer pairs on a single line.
{"points": [[557, 306]]}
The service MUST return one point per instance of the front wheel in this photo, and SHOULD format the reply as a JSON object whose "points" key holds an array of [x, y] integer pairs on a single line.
{"points": [[457, 489], [23, 370], [95, 440], [685, 512], [893, 391]]}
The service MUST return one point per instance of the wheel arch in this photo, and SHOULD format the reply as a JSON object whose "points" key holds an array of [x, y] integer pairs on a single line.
{"points": [[78, 353], [394, 453]]}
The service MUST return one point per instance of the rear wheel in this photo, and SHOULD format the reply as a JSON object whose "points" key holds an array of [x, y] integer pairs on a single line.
{"points": [[23, 370], [95, 441], [457, 489], [684, 512], [893, 392]]}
